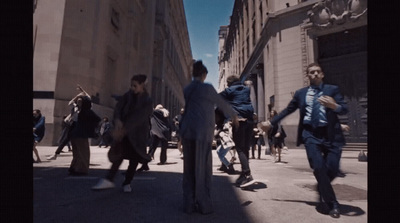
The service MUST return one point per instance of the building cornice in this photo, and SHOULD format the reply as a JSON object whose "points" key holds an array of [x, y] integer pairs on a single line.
{"points": [[328, 13]]}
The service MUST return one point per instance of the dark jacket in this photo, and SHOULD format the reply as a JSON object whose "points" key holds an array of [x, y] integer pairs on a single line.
{"points": [[160, 125], [87, 122], [334, 131], [238, 96], [39, 125], [134, 111]]}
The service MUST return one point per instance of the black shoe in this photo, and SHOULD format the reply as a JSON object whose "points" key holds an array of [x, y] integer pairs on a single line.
{"points": [[334, 212], [247, 181], [322, 208], [143, 168], [341, 174], [230, 169], [222, 168], [160, 163], [241, 178]]}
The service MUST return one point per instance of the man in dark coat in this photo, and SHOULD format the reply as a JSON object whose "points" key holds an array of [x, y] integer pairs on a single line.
{"points": [[160, 133]]}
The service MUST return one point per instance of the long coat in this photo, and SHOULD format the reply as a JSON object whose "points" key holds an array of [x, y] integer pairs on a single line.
{"points": [[335, 134], [134, 111], [160, 125], [198, 121]]}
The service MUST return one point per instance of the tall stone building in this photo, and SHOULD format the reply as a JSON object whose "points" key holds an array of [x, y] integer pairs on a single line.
{"points": [[101, 45], [271, 42]]}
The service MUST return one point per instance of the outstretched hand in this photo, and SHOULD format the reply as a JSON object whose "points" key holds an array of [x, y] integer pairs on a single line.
{"points": [[344, 127], [265, 126]]}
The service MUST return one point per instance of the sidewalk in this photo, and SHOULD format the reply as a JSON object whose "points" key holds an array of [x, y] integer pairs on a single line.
{"points": [[284, 192]]}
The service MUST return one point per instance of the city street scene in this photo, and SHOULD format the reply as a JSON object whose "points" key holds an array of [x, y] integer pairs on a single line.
{"points": [[200, 111]]}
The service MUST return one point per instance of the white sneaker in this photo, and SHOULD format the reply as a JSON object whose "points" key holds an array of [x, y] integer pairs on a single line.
{"points": [[127, 188], [52, 157], [103, 184]]}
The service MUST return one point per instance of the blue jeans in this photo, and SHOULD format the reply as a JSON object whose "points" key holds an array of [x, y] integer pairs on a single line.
{"points": [[221, 151]]}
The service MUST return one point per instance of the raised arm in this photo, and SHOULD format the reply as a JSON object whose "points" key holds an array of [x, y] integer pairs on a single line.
{"points": [[81, 93], [79, 87]]}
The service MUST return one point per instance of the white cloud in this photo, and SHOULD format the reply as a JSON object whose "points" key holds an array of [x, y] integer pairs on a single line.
{"points": [[209, 55]]}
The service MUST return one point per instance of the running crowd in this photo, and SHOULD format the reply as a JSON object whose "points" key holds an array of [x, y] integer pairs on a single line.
{"points": [[226, 120]]}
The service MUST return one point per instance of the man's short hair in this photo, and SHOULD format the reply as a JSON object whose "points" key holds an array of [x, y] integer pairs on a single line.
{"points": [[231, 79], [312, 65]]}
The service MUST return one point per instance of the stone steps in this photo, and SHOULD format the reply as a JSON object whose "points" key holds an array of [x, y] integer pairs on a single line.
{"points": [[356, 147]]}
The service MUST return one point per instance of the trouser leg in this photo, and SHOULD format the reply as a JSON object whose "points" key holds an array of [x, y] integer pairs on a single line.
{"points": [[221, 152], [241, 139], [188, 182], [114, 169], [130, 172], [203, 175], [163, 154], [154, 144], [318, 164], [63, 143]]}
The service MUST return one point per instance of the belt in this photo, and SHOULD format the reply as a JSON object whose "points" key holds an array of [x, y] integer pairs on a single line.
{"points": [[318, 132]]}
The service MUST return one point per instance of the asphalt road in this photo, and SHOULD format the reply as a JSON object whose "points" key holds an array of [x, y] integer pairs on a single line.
{"points": [[285, 191]]}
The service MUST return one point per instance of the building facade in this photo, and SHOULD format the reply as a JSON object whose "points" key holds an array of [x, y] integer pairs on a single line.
{"points": [[101, 45], [271, 42]]}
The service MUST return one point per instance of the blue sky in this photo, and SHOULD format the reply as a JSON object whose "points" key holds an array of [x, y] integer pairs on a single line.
{"points": [[204, 17]]}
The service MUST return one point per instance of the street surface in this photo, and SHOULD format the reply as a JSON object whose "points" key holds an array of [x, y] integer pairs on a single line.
{"points": [[285, 191]]}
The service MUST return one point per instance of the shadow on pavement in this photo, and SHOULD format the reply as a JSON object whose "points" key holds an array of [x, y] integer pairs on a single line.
{"points": [[347, 210], [155, 197]]}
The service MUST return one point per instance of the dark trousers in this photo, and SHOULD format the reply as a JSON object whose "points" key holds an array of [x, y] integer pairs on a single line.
{"points": [[64, 140], [324, 159], [164, 145], [197, 176], [103, 141], [257, 144], [130, 172], [242, 137]]}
